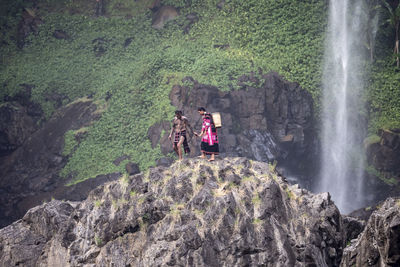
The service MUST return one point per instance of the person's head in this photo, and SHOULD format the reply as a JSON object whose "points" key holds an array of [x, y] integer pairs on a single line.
{"points": [[201, 110], [178, 114]]}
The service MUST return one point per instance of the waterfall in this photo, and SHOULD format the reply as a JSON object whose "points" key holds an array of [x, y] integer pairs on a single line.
{"points": [[343, 130]]}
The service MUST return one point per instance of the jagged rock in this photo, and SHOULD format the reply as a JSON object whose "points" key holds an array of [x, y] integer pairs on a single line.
{"points": [[156, 137], [385, 154], [28, 24], [132, 168], [352, 227], [30, 174], [166, 162], [379, 243], [15, 126], [60, 34], [163, 15], [364, 213], [232, 212]]}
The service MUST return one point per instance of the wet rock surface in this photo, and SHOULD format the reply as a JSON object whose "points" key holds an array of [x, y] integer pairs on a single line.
{"points": [[379, 243], [234, 212]]}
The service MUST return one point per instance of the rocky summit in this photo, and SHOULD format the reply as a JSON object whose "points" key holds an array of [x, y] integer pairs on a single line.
{"points": [[232, 212]]}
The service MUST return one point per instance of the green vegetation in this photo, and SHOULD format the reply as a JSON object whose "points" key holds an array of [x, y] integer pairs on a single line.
{"points": [[129, 68], [256, 200], [372, 139], [133, 193], [97, 203], [98, 241], [384, 96], [289, 193], [257, 221]]}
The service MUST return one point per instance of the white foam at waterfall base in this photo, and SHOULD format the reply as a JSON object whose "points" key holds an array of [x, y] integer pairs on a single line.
{"points": [[342, 128]]}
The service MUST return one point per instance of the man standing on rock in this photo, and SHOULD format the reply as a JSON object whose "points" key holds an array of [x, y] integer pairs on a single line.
{"points": [[209, 140], [179, 126]]}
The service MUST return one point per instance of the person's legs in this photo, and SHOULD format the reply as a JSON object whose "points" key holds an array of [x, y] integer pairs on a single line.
{"points": [[179, 147], [185, 145], [203, 149], [174, 144], [212, 158]]}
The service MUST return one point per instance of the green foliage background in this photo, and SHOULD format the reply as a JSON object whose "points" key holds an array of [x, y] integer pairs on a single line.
{"points": [[273, 35]]}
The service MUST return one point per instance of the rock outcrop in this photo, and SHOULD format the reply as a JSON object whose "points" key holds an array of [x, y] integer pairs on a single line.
{"points": [[163, 15], [379, 243], [268, 118], [30, 174], [385, 154], [233, 212], [15, 127], [19, 119], [28, 24]]}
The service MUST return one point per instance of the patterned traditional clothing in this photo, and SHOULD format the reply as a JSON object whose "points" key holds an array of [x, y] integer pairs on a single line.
{"points": [[185, 143], [179, 126], [209, 141]]}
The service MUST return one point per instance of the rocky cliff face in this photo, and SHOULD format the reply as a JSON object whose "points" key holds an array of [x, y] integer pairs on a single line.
{"points": [[33, 158], [233, 212], [267, 118], [379, 243]]}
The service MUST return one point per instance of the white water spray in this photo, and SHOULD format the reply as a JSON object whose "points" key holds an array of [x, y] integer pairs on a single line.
{"points": [[342, 128]]}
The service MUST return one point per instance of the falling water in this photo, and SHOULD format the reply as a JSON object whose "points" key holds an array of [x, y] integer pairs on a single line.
{"points": [[342, 128]]}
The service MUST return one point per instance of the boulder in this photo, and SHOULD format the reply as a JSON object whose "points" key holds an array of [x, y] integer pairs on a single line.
{"points": [[158, 134], [165, 161], [61, 35], [132, 168], [163, 15]]}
